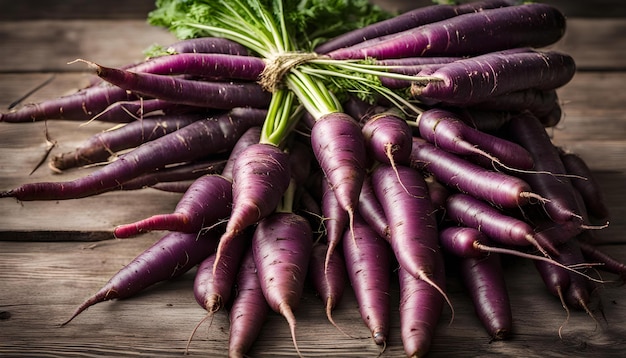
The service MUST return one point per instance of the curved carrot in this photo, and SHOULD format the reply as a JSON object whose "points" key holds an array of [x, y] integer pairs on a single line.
{"points": [[171, 256], [281, 246]]}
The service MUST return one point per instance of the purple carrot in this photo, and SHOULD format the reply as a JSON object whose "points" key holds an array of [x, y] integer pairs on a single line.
{"points": [[578, 294], [496, 187], [372, 211], [437, 192], [261, 175], [484, 281], [555, 186], [328, 278], [79, 106], [468, 242], [336, 219], [249, 137], [205, 65], [197, 140], [480, 78], [490, 121], [538, 102], [420, 310], [532, 25], [496, 225], [171, 256], [594, 253], [281, 246], [408, 20], [210, 94], [208, 45], [587, 185], [128, 111], [249, 309], [447, 131], [300, 159], [206, 202], [186, 172], [212, 290], [388, 137], [180, 186], [403, 194], [339, 148], [99, 147], [368, 265]]}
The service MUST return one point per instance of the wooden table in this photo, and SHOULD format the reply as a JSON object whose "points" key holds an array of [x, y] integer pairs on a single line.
{"points": [[49, 261]]}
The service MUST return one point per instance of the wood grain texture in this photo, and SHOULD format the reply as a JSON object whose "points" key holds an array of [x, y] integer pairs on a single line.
{"points": [[42, 282]]}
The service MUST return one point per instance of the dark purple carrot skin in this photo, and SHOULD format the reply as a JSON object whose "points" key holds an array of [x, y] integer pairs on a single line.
{"points": [[328, 278], [208, 45], [281, 246], [447, 131], [484, 281], [593, 253], [261, 175], [532, 25], [527, 130], [459, 241], [249, 137], [410, 19], [336, 218], [388, 138], [555, 234], [128, 111], [79, 106], [372, 211], [249, 309], [369, 266], [339, 148], [171, 256], [206, 65], [403, 194], [578, 294], [489, 121], [103, 145], [300, 159], [538, 102], [555, 279], [420, 310], [207, 202], [480, 78], [213, 288], [499, 227], [586, 184], [495, 187], [173, 186], [307, 206], [187, 173], [437, 192], [210, 94], [359, 109], [199, 139]]}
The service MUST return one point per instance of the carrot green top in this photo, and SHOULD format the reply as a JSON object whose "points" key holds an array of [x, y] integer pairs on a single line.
{"points": [[284, 33]]}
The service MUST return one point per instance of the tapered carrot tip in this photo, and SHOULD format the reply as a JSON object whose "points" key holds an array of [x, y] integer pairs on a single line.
{"points": [[88, 303], [7, 194]]}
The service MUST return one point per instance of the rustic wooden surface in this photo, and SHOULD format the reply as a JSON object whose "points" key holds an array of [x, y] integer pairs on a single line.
{"points": [[43, 279]]}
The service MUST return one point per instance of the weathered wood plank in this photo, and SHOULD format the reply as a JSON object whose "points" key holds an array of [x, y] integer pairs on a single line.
{"points": [[48, 45], [44, 282]]}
